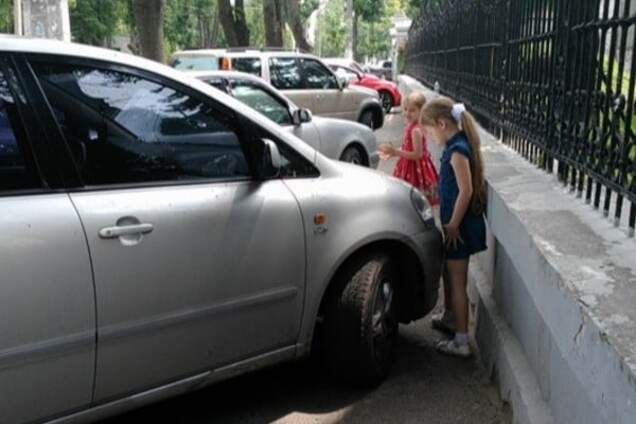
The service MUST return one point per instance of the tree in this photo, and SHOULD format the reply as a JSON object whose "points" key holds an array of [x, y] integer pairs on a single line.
{"points": [[95, 22], [368, 11], [6, 16], [234, 23], [294, 19], [331, 34], [273, 19], [149, 22]]}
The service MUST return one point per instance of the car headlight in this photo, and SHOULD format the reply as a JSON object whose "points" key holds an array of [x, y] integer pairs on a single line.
{"points": [[422, 207]]}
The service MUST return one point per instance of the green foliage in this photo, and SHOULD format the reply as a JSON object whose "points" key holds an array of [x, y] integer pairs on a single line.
{"points": [[307, 7], [95, 21], [331, 27], [369, 10], [254, 17], [6, 16]]}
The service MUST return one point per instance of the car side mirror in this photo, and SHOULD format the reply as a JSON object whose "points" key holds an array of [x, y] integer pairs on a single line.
{"points": [[271, 163], [343, 82], [301, 116]]}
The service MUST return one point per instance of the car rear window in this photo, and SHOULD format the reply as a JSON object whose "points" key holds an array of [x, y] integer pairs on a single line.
{"points": [[196, 63]]}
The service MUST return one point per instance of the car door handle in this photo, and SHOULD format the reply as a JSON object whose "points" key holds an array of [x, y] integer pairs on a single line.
{"points": [[125, 230]]}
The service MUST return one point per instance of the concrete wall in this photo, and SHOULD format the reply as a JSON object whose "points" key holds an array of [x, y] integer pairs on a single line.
{"points": [[553, 297]]}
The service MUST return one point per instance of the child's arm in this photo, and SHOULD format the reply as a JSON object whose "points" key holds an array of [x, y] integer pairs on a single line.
{"points": [[416, 154], [418, 149], [461, 166]]}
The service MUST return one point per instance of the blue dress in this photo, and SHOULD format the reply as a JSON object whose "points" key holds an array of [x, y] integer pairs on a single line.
{"points": [[472, 228]]}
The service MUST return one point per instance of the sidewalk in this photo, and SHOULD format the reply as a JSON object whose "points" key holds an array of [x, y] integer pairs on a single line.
{"points": [[553, 297]]}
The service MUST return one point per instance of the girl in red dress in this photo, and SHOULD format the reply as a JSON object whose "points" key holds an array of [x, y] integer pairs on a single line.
{"points": [[414, 165]]}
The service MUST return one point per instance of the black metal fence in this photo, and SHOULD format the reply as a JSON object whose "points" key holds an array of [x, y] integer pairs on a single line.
{"points": [[554, 78]]}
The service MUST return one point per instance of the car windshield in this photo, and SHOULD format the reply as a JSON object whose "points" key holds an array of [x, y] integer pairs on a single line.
{"points": [[196, 63]]}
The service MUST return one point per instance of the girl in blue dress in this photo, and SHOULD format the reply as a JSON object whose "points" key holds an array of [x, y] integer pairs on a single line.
{"points": [[462, 202]]}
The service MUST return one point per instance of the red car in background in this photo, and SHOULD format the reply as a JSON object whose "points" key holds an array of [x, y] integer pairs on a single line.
{"points": [[388, 90]]}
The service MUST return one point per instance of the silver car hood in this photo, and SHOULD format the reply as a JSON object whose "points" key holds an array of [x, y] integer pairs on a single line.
{"points": [[344, 125]]}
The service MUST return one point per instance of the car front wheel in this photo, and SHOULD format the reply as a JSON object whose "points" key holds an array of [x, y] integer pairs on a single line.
{"points": [[387, 101], [352, 155], [360, 325]]}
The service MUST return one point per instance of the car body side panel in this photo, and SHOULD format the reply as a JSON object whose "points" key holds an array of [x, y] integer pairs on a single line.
{"points": [[47, 343], [386, 215]]}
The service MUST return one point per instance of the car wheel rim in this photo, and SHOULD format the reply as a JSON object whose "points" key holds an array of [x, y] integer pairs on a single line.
{"points": [[383, 323], [387, 103]]}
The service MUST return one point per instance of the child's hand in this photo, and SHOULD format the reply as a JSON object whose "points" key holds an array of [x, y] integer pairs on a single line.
{"points": [[386, 149], [451, 235]]}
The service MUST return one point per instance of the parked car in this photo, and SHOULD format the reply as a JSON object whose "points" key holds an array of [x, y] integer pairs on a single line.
{"points": [[159, 235], [383, 69], [196, 60], [308, 82], [388, 90], [335, 138]]}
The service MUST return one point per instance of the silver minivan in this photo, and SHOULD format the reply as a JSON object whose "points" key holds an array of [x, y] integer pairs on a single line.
{"points": [[159, 235]]}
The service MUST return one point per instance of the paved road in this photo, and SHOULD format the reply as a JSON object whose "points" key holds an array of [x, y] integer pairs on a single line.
{"points": [[424, 386]]}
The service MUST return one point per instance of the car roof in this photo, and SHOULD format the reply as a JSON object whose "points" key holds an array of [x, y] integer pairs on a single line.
{"points": [[194, 53], [227, 74]]}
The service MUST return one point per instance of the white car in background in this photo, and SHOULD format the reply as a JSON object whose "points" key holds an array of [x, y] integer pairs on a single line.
{"points": [[335, 138]]}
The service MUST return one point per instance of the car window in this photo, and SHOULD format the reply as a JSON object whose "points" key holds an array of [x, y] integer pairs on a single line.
{"points": [[123, 128], [17, 170], [258, 98], [341, 71], [317, 76], [249, 65], [285, 73], [196, 63]]}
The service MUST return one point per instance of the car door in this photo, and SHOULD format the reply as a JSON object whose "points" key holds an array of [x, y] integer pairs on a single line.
{"points": [[286, 74], [330, 100], [275, 108], [196, 264], [47, 304]]}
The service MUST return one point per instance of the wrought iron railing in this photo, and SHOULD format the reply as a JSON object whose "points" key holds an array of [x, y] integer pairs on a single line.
{"points": [[554, 78]]}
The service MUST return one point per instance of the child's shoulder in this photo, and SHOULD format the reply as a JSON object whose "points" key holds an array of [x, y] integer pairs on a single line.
{"points": [[459, 144]]}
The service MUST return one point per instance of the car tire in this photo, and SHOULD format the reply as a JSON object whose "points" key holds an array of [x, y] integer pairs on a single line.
{"points": [[353, 155], [360, 325], [386, 100], [368, 118]]}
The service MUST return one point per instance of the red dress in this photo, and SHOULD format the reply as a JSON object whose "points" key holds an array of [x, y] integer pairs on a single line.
{"points": [[420, 173]]}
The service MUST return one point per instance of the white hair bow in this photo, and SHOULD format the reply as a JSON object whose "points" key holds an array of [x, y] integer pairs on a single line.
{"points": [[457, 110]]}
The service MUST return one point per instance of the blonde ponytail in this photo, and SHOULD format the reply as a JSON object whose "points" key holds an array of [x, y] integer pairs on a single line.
{"points": [[478, 201]]}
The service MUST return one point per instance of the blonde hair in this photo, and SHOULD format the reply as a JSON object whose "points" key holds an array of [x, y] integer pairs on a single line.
{"points": [[441, 109], [416, 98]]}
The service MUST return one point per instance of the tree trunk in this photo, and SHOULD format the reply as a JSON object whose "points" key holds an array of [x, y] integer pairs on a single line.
{"points": [[149, 22], [293, 19], [354, 37], [234, 24], [242, 31], [214, 36], [273, 23], [227, 22]]}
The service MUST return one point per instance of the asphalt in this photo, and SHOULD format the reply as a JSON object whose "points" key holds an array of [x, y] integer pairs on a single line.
{"points": [[424, 386]]}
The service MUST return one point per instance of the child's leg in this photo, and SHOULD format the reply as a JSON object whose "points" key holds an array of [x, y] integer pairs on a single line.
{"points": [[457, 270], [457, 273], [448, 295]]}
